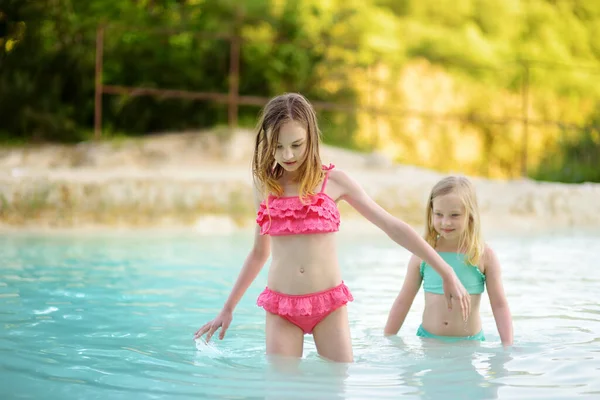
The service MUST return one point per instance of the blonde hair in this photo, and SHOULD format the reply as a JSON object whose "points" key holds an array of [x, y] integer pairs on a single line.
{"points": [[471, 241], [279, 110]]}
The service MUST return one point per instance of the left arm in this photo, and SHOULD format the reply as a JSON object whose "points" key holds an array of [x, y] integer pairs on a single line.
{"points": [[403, 234], [498, 301]]}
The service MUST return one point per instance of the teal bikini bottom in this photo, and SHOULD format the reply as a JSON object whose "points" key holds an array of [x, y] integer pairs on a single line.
{"points": [[450, 339]]}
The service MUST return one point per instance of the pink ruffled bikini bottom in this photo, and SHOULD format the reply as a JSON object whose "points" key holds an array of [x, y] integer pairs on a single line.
{"points": [[306, 310]]}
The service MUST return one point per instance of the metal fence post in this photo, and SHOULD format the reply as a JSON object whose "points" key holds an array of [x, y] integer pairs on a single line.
{"points": [[98, 82], [234, 80], [525, 119]]}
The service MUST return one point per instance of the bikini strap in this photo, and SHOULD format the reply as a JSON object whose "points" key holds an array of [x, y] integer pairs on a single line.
{"points": [[327, 169]]}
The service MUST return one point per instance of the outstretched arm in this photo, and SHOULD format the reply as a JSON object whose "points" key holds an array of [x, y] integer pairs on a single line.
{"points": [[402, 304], [254, 262], [404, 235], [498, 301]]}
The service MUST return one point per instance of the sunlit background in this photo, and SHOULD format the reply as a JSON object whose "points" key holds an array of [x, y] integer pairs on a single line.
{"points": [[499, 88], [126, 132]]}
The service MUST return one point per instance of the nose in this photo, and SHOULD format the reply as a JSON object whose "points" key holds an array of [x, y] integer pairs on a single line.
{"points": [[287, 154]]}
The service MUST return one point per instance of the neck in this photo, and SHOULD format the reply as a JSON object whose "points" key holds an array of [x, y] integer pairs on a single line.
{"points": [[290, 177], [447, 243]]}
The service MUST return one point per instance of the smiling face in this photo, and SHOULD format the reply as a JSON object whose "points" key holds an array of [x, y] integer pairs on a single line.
{"points": [[290, 149], [452, 216], [449, 217]]}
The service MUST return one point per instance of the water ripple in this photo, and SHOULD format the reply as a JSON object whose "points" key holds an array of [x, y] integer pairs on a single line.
{"points": [[113, 317]]}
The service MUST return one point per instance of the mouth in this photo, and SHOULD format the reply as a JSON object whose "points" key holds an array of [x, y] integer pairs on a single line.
{"points": [[447, 230], [290, 163]]}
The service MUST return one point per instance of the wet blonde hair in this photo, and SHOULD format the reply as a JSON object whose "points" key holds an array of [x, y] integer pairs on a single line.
{"points": [[471, 241], [279, 110]]}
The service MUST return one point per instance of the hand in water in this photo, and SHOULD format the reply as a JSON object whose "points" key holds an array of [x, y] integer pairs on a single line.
{"points": [[454, 289], [222, 321]]}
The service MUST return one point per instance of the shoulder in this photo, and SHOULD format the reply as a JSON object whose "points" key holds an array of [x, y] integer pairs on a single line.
{"points": [[488, 253], [337, 174], [489, 260], [344, 186], [415, 265], [342, 178], [415, 261]]}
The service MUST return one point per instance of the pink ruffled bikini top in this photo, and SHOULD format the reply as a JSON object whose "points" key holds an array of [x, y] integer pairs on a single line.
{"points": [[289, 216]]}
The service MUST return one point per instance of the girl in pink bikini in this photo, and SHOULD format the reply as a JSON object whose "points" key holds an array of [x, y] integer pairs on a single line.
{"points": [[297, 217]]}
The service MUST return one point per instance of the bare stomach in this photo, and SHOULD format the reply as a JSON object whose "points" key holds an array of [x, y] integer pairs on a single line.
{"points": [[303, 264], [438, 320]]}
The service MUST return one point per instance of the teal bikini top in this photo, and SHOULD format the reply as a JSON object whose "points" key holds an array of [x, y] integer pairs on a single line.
{"points": [[469, 275]]}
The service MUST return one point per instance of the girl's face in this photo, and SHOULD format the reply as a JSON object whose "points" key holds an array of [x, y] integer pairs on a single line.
{"points": [[291, 146], [449, 216]]}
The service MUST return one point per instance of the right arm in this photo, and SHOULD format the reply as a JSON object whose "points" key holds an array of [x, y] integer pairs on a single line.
{"points": [[402, 304], [253, 264], [256, 259]]}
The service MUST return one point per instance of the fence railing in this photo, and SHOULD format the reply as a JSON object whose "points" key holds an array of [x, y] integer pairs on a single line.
{"points": [[233, 99]]}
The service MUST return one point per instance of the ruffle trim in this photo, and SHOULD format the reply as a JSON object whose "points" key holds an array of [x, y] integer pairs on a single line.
{"points": [[289, 215], [310, 304], [291, 227]]}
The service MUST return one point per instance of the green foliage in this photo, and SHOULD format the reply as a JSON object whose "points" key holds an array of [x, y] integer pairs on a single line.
{"points": [[320, 48], [574, 159]]}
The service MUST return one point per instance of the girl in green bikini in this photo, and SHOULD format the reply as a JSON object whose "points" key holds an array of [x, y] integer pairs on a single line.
{"points": [[453, 229]]}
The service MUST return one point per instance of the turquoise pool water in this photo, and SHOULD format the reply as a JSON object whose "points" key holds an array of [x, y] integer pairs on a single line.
{"points": [[112, 317]]}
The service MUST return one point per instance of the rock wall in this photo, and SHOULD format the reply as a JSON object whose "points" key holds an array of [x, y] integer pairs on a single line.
{"points": [[202, 180]]}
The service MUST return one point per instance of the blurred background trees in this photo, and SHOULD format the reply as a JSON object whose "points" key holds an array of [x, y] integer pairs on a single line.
{"points": [[478, 86]]}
